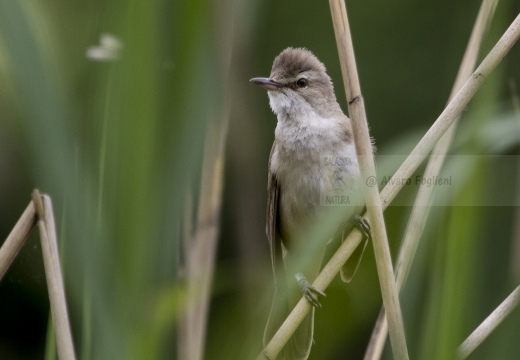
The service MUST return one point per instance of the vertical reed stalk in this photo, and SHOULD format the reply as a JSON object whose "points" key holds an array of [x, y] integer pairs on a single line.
{"points": [[366, 160]]}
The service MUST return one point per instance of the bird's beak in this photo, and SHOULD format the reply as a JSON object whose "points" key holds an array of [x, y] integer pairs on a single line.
{"points": [[266, 83]]}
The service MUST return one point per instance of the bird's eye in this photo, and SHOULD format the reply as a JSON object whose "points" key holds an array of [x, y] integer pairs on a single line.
{"points": [[302, 82]]}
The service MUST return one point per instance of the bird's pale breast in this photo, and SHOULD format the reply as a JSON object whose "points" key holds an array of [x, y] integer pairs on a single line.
{"points": [[312, 179]]}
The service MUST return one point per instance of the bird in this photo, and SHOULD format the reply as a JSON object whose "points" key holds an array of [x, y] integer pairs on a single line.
{"points": [[313, 179]]}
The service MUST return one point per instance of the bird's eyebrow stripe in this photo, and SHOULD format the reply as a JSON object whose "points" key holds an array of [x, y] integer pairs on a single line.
{"points": [[304, 70]]}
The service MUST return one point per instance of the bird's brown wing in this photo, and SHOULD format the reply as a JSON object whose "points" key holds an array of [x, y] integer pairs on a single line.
{"points": [[298, 347], [272, 226], [279, 308]]}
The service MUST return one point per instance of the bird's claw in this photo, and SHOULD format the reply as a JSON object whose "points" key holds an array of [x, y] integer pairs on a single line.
{"points": [[363, 226], [309, 291]]}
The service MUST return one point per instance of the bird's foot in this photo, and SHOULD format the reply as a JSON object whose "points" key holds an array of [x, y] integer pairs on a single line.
{"points": [[309, 291], [363, 226]]}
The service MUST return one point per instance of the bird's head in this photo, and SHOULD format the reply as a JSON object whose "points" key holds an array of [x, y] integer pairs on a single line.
{"points": [[298, 83]]}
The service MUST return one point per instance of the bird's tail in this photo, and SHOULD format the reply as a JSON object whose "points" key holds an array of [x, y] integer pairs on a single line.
{"points": [[299, 345], [349, 269]]}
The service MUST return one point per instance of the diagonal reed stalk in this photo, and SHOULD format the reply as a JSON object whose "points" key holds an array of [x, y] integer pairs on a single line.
{"points": [[16, 238], [421, 207], [492, 321], [39, 212], [425, 145], [364, 150], [51, 261]]}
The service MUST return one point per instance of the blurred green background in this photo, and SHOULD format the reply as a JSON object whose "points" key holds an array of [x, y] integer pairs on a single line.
{"points": [[119, 144]]}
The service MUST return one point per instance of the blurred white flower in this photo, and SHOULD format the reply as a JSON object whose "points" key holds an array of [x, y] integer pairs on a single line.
{"points": [[109, 49]]}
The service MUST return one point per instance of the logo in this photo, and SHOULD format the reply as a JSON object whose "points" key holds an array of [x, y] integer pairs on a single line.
{"points": [[337, 181]]}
